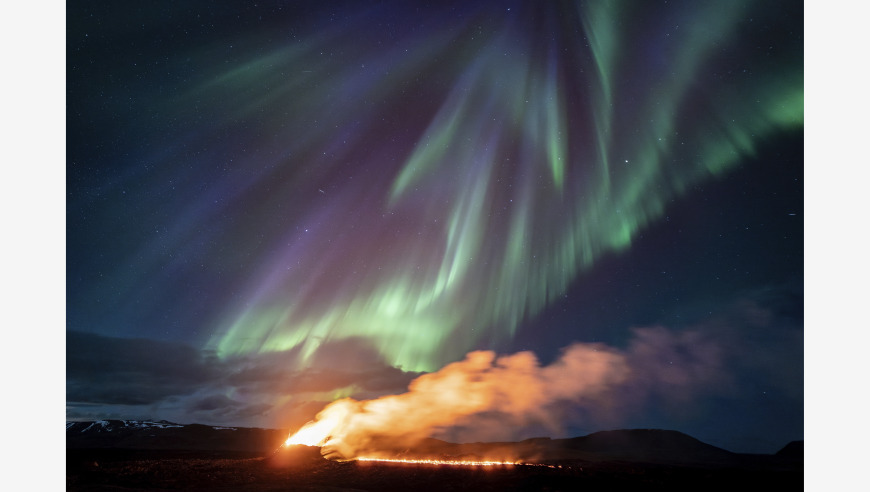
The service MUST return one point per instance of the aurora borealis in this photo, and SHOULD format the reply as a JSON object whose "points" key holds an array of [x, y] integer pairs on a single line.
{"points": [[273, 206]]}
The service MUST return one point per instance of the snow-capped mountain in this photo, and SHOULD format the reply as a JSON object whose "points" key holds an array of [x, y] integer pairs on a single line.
{"points": [[149, 434]]}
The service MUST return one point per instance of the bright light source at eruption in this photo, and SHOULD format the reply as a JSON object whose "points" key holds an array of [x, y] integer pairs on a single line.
{"points": [[312, 434]]}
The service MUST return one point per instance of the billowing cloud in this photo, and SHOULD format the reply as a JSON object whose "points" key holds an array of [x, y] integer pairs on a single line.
{"points": [[677, 365], [514, 386]]}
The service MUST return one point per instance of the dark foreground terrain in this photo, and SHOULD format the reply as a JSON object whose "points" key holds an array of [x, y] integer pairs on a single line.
{"points": [[616, 460], [118, 470]]}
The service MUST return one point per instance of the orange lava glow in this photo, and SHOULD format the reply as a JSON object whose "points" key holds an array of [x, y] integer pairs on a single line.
{"points": [[441, 462], [312, 433], [454, 462]]}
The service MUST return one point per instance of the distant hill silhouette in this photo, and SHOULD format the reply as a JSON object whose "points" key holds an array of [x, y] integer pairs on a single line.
{"points": [[145, 434], [636, 445], [792, 451], [651, 445]]}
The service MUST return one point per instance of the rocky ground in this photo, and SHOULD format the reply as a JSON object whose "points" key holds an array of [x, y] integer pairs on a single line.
{"points": [[146, 455], [124, 469]]}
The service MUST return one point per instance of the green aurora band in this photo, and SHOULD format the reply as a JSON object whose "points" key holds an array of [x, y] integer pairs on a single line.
{"points": [[543, 153]]}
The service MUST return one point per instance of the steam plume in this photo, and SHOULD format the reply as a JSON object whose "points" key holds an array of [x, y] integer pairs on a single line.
{"points": [[515, 387]]}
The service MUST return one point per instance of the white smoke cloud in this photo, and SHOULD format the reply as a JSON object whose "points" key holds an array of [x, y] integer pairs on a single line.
{"points": [[515, 387]]}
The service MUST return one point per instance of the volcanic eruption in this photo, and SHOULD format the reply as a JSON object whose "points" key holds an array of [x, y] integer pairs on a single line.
{"points": [[511, 390]]}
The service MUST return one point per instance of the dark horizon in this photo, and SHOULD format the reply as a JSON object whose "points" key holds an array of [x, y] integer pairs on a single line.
{"points": [[282, 430]]}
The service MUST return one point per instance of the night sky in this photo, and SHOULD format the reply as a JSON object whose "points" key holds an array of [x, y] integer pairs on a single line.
{"points": [[273, 206]]}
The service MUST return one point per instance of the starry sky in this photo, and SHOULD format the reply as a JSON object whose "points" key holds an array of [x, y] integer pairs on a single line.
{"points": [[273, 205]]}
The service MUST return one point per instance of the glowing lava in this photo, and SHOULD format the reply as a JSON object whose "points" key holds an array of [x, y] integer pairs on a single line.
{"points": [[319, 433], [442, 462], [429, 461], [314, 433]]}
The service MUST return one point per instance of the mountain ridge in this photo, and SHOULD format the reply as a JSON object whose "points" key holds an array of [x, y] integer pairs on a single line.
{"points": [[162, 434], [620, 445]]}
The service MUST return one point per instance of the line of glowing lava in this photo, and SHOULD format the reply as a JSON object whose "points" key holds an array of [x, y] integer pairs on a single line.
{"points": [[441, 462], [453, 462]]}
